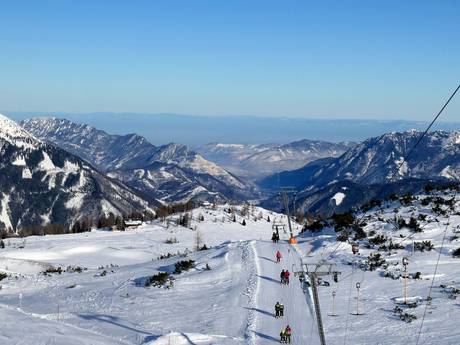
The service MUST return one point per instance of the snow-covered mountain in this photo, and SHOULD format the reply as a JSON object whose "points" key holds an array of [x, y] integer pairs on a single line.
{"points": [[170, 172], [41, 184], [257, 161], [374, 163], [376, 159]]}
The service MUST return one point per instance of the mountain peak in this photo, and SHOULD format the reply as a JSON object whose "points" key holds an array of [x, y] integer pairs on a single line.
{"points": [[13, 133]]}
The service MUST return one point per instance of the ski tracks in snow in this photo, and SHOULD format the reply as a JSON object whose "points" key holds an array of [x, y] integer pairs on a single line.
{"points": [[263, 327]]}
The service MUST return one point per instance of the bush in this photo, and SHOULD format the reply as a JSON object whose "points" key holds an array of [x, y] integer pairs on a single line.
{"points": [[342, 237], [51, 270], [171, 240], [379, 239], [414, 225], [407, 199], [374, 261], [359, 232], [183, 265], [316, 226], [422, 246], [160, 279], [3, 275], [343, 221], [456, 253]]}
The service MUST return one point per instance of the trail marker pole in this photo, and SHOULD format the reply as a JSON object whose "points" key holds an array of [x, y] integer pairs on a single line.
{"points": [[358, 286], [334, 293], [405, 262]]}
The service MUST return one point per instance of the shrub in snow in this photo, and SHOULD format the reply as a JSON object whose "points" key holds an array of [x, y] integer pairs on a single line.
{"points": [[371, 204], [393, 197], [204, 247], [316, 226], [183, 265], [52, 269], [374, 261], [76, 269], [3, 275], [342, 237], [359, 232], [379, 239], [456, 253], [422, 246], [2, 244], [342, 221], [406, 317], [160, 279], [243, 222], [422, 217], [393, 246], [407, 199], [171, 240], [414, 225]]}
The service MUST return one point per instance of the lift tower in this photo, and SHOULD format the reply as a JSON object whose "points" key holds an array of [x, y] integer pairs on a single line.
{"points": [[284, 191], [313, 271]]}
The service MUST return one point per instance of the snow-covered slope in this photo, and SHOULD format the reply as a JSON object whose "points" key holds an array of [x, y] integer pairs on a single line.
{"points": [[113, 307], [228, 295], [42, 185], [388, 236], [170, 172], [257, 161]]}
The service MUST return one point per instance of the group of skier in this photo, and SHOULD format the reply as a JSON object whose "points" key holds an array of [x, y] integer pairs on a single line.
{"points": [[284, 275], [285, 334], [279, 310], [275, 237]]}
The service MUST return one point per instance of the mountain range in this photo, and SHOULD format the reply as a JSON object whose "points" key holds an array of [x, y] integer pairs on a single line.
{"points": [[169, 173], [41, 184], [372, 167], [258, 161]]}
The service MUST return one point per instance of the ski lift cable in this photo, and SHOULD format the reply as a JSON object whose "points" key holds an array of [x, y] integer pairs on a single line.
{"points": [[434, 277], [405, 158]]}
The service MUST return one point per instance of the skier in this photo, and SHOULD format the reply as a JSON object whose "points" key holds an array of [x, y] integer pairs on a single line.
{"points": [[274, 237], [282, 276], [278, 256], [287, 334], [281, 310], [286, 277], [283, 336], [277, 309], [277, 235]]}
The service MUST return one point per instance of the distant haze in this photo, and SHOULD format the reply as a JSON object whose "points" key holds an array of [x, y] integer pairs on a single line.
{"points": [[198, 130]]}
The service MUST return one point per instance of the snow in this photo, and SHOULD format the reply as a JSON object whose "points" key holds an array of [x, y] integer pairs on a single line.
{"points": [[4, 215], [338, 198], [19, 161], [26, 173], [76, 201], [233, 302], [15, 134], [46, 164]]}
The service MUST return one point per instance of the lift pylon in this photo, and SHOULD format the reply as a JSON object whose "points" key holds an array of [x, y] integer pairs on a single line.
{"points": [[284, 195], [313, 271]]}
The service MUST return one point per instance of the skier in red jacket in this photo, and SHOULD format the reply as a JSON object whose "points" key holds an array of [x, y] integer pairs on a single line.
{"points": [[278, 256]]}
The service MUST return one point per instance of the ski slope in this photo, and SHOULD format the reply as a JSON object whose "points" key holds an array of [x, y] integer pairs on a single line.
{"points": [[267, 328], [231, 304]]}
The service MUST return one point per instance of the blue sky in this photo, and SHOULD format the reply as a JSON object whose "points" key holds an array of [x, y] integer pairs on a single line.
{"points": [[334, 59]]}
